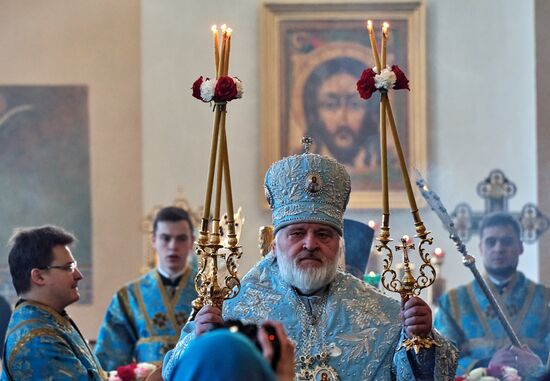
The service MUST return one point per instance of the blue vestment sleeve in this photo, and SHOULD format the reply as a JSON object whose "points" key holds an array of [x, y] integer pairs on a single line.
{"points": [[172, 357], [47, 357], [436, 363], [117, 337], [445, 323]]}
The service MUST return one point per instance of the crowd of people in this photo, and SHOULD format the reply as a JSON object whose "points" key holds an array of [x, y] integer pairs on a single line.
{"points": [[315, 321]]}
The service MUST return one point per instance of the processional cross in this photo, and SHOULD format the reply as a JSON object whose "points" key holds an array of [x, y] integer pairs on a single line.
{"points": [[496, 190]]}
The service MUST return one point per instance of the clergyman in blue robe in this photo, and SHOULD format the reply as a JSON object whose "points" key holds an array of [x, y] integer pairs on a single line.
{"points": [[43, 343], [145, 316], [343, 328], [466, 317]]}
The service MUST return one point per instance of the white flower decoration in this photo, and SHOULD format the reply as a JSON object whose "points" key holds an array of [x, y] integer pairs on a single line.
{"points": [[385, 80], [207, 90], [239, 85]]}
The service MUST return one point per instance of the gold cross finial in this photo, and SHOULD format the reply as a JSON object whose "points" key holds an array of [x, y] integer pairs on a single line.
{"points": [[405, 247], [307, 141]]}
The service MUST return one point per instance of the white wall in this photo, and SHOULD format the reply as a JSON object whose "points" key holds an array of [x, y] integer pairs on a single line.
{"points": [[481, 113], [92, 43]]}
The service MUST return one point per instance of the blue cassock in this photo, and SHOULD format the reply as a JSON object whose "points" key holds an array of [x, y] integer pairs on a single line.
{"points": [[143, 322], [44, 345], [466, 317], [361, 326]]}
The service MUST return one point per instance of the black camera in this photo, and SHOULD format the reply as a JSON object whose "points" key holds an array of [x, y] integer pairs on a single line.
{"points": [[251, 331]]}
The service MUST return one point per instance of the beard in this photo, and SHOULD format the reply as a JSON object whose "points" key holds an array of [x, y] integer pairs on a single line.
{"points": [[309, 279]]}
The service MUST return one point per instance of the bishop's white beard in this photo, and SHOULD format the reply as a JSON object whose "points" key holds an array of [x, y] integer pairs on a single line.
{"points": [[308, 280]]}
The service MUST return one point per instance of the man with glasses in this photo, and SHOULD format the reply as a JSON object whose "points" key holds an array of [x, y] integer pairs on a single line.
{"points": [[466, 317], [43, 342]]}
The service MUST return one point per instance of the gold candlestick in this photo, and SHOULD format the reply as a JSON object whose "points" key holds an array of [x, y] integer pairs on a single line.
{"points": [[208, 245], [409, 286]]}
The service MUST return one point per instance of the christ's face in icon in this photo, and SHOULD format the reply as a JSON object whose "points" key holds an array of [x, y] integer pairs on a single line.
{"points": [[341, 111]]}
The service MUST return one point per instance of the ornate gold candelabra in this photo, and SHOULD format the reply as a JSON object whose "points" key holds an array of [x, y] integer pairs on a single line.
{"points": [[209, 245], [408, 285]]}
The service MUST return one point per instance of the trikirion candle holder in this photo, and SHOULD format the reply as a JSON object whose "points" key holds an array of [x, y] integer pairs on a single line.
{"points": [[382, 78], [209, 247]]}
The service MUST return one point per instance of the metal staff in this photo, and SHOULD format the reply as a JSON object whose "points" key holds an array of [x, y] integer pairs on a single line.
{"points": [[468, 260]]}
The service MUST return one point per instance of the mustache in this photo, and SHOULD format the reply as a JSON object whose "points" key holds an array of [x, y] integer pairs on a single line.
{"points": [[344, 129], [309, 254]]}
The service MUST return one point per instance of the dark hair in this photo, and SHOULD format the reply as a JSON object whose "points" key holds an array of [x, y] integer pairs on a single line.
{"points": [[318, 76], [31, 248], [171, 214], [500, 219]]}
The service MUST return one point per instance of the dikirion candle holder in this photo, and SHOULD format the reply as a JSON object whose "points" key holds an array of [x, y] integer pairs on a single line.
{"points": [[383, 78], [209, 247]]}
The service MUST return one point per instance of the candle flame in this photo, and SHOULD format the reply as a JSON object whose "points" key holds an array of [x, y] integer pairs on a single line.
{"points": [[406, 238], [228, 31], [369, 25], [372, 273], [439, 252], [371, 224], [214, 28], [224, 27], [385, 27]]}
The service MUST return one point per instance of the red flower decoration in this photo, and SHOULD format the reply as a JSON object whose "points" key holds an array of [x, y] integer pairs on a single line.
{"points": [[401, 81], [127, 372], [365, 85], [197, 88], [225, 90], [460, 378]]}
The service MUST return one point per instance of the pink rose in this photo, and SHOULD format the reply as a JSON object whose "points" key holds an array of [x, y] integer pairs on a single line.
{"points": [[365, 84], [401, 80], [226, 89]]}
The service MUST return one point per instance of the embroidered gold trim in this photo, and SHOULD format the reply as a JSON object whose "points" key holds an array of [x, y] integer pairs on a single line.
{"points": [[56, 315], [29, 336], [167, 302], [477, 310], [455, 310], [125, 299], [525, 308], [158, 339], [143, 310]]}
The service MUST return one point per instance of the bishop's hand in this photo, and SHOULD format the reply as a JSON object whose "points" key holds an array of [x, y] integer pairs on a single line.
{"points": [[206, 317], [416, 316]]}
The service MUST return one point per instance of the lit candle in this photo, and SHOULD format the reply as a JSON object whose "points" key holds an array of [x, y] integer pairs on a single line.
{"points": [[216, 46], [222, 53], [227, 49], [385, 27], [373, 46], [438, 257]]}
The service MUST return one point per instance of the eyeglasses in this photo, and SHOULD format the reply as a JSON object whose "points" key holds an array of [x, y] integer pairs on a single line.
{"points": [[69, 267]]}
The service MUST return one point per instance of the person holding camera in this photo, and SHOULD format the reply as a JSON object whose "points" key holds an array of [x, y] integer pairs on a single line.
{"points": [[343, 328], [236, 351]]}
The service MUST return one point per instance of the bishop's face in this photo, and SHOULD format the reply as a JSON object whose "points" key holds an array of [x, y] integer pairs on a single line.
{"points": [[500, 249], [307, 255]]}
